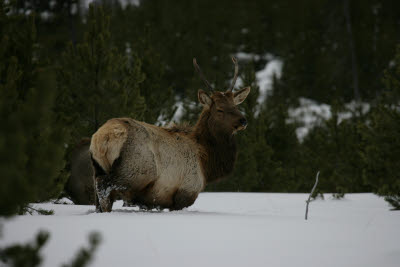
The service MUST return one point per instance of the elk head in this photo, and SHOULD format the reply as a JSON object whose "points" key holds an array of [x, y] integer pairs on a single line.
{"points": [[224, 116]]}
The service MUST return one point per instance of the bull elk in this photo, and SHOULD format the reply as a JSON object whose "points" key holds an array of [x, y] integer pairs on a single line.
{"points": [[167, 167]]}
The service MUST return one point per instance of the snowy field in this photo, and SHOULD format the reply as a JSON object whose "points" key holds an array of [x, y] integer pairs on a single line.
{"points": [[224, 229]]}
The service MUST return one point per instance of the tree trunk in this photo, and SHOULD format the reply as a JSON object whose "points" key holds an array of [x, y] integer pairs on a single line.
{"points": [[356, 91]]}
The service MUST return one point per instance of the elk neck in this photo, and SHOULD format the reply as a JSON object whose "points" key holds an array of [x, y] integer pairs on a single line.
{"points": [[219, 150]]}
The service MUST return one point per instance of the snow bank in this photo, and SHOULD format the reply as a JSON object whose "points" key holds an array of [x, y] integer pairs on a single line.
{"points": [[310, 113], [123, 3], [265, 76], [225, 229]]}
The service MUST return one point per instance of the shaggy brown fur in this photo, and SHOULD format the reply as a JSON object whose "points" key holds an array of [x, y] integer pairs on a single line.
{"points": [[211, 141], [184, 128], [220, 151], [166, 167]]}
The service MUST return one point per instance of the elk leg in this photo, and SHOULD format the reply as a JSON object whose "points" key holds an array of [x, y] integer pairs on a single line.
{"points": [[183, 199], [104, 192], [102, 188], [98, 207], [96, 199]]}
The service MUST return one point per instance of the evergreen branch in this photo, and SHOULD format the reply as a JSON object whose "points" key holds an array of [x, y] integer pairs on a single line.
{"points": [[85, 254], [40, 211], [25, 254]]}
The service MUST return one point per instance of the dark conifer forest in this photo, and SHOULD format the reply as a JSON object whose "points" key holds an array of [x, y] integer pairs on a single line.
{"points": [[66, 67]]}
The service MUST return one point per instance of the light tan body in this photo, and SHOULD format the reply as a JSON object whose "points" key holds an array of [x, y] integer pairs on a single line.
{"points": [[167, 167], [148, 165]]}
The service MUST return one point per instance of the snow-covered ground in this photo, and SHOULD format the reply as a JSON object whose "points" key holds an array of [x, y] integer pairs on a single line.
{"points": [[224, 229]]}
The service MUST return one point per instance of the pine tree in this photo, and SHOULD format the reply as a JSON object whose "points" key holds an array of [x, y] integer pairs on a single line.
{"points": [[135, 37], [29, 254], [333, 148], [25, 255], [58, 21], [280, 135], [381, 153], [158, 96], [319, 43], [381, 148], [96, 82], [31, 140]]}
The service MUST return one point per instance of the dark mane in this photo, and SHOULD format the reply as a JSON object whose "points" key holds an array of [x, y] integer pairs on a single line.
{"points": [[220, 154]]}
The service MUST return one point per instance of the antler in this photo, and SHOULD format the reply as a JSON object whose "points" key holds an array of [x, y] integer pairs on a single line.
{"points": [[202, 75], [236, 74]]}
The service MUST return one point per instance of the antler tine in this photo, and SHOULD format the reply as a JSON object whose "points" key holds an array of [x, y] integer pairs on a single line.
{"points": [[234, 60], [202, 75]]}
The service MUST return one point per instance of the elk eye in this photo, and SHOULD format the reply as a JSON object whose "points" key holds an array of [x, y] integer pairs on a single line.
{"points": [[220, 110]]}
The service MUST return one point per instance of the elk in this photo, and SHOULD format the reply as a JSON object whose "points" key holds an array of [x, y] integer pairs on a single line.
{"points": [[159, 167], [79, 186]]}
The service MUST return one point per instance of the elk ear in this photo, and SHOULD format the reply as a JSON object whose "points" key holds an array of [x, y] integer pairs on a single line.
{"points": [[240, 96], [204, 98]]}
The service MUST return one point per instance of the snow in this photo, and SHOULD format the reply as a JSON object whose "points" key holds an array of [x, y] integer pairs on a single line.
{"points": [[310, 113], [224, 229], [85, 4], [243, 56], [179, 112], [266, 75]]}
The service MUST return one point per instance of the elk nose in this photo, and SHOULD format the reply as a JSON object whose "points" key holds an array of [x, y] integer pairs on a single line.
{"points": [[243, 121]]}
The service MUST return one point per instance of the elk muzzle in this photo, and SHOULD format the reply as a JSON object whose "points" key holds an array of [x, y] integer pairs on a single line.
{"points": [[242, 124]]}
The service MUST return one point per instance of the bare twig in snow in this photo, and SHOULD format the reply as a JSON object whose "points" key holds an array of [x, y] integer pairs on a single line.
{"points": [[312, 191]]}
